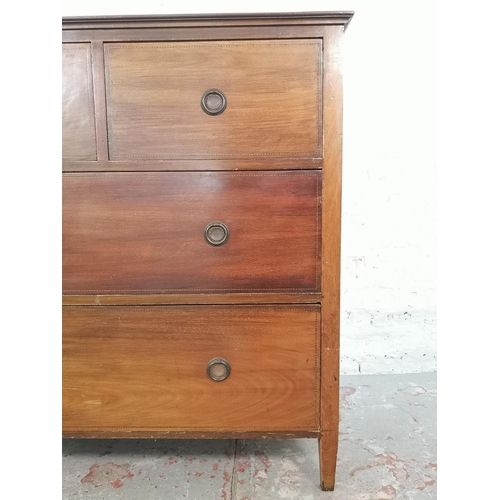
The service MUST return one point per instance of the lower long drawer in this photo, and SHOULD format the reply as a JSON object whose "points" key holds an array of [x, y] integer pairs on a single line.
{"points": [[145, 368]]}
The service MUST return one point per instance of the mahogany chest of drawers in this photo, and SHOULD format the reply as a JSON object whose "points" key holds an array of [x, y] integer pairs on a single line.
{"points": [[201, 227]]}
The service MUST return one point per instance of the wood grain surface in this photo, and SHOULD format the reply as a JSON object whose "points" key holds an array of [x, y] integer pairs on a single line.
{"points": [[273, 91], [101, 124], [78, 126], [190, 298], [144, 233], [144, 369], [332, 194], [148, 302], [195, 33], [191, 434], [199, 164]]}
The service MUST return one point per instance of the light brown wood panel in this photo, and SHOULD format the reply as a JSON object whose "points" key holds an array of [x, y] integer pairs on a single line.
{"points": [[144, 369], [132, 233], [78, 119], [273, 91]]}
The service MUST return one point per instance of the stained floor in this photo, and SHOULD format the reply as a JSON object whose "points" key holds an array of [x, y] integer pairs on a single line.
{"points": [[387, 451]]}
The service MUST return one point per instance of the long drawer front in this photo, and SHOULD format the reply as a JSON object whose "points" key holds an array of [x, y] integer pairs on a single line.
{"points": [[145, 368], [191, 232]]}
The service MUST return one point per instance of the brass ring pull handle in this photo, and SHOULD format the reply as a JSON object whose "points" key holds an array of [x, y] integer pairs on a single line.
{"points": [[216, 233], [213, 102], [218, 369]]}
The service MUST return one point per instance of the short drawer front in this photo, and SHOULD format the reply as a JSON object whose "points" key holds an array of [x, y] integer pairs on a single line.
{"points": [[272, 92], [78, 120], [145, 368], [145, 233]]}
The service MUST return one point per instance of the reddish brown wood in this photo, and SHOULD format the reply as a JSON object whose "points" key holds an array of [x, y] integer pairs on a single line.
{"points": [[78, 127], [100, 101], [189, 298], [328, 446], [267, 163], [144, 233], [144, 369], [154, 92], [330, 318], [159, 434], [141, 230]]}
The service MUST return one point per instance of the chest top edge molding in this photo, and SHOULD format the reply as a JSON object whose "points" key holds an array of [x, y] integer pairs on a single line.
{"points": [[198, 20]]}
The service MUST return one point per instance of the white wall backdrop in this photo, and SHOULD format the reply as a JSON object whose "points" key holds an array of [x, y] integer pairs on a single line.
{"points": [[389, 188]]}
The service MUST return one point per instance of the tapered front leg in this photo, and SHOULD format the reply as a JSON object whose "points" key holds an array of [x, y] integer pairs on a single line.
{"points": [[328, 444]]}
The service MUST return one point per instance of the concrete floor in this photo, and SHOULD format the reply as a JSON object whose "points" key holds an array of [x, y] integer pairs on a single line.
{"points": [[387, 451]]}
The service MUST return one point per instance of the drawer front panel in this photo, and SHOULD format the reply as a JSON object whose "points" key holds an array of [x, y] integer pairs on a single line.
{"points": [[145, 233], [272, 90], [145, 368], [78, 121]]}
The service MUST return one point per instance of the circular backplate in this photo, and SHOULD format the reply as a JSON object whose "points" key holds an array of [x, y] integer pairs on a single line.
{"points": [[218, 369], [213, 102], [216, 233]]}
